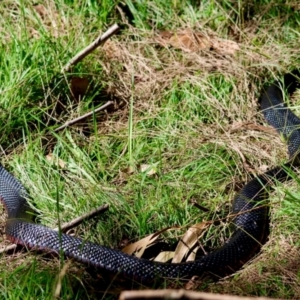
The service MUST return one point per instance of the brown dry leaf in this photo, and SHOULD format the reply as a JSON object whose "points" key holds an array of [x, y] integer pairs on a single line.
{"points": [[41, 10], [34, 33], [56, 161], [193, 254], [148, 169], [129, 170], [190, 238], [225, 47], [263, 168], [124, 174], [236, 126], [191, 41], [186, 40], [79, 87], [140, 246], [112, 50], [192, 284], [164, 256]]}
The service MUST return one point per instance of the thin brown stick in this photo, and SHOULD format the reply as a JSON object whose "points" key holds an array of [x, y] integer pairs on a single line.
{"points": [[68, 123], [200, 207], [96, 43], [67, 226], [180, 295], [77, 58], [8, 248], [61, 275], [77, 221]]}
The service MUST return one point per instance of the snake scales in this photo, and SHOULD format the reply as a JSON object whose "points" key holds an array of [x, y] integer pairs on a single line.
{"points": [[251, 221]]}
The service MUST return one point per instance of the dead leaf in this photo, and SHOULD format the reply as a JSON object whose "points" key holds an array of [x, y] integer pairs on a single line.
{"points": [[224, 47], [56, 161], [186, 40], [164, 256], [263, 168], [112, 50], [188, 241], [193, 254], [192, 284], [129, 170], [140, 246], [192, 41], [148, 169], [236, 126], [79, 87], [41, 10], [166, 34], [124, 174]]}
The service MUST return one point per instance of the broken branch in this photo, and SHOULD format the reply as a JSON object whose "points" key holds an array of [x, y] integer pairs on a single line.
{"points": [[86, 51], [68, 123], [67, 226]]}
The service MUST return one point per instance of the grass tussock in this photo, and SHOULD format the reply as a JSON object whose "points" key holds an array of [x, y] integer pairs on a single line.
{"points": [[185, 77]]}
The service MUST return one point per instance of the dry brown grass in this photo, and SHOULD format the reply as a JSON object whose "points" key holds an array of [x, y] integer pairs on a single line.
{"points": [[138, 64], [239, 126]]}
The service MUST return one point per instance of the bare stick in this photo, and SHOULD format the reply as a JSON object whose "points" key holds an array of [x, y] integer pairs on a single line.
{"points": [[180, 295], [68, 123], [83, 53], [61, 275], [66, 226], [77, 221], [8, 248], [200, 207]]}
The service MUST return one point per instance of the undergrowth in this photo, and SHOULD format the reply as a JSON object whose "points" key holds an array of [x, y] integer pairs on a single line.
{"points": [[189, 115]]}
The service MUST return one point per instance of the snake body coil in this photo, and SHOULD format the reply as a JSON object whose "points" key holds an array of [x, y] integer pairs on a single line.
{"points": [[251, 221]]}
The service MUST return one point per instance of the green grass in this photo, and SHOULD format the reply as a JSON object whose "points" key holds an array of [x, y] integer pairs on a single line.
{"points": [[185, 114]]}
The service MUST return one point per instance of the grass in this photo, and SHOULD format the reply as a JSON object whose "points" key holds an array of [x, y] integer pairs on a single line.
{"points": [[185, 114]]}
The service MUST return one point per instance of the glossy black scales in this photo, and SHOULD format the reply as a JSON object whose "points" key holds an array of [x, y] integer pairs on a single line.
{"points": [[251, 221]]}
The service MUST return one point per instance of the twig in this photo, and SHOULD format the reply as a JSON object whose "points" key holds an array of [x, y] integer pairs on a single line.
{"points": [[2, 150], [83, 53], [181, 295], [61, 275], [68, 123], [67, 226], [80, 56], [77, 221], [77, 58], [8, 248], [200, 207]]}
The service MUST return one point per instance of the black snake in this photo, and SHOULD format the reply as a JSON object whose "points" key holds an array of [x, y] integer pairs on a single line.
{"points": [[251, 221]]}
